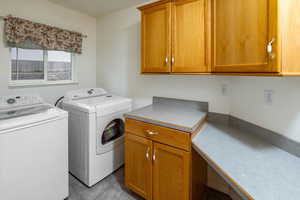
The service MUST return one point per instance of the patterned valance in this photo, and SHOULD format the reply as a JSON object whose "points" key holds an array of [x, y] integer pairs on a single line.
{"points": [[27, 34]]}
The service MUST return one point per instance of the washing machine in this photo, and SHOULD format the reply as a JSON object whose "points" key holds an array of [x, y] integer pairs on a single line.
{"points": [[33, 149], [96, 133]]}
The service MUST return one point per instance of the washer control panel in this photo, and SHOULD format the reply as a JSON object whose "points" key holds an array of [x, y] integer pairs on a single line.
{"points": [[16, 101]]}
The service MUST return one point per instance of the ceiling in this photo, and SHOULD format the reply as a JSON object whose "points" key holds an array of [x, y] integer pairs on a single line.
{"points": [[97, 8]]}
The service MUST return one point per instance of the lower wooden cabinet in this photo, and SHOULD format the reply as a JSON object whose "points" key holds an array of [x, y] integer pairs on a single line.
{"points": [[138, 167], [154, 169], [171, 173]]}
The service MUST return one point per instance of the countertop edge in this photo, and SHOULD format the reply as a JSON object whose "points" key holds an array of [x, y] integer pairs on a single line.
{"points": [[167, 124], [243, 193]]}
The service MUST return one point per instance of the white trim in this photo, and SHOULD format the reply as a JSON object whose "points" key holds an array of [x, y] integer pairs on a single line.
{"points": [[45, 57], [74, 69], [17, 62], [10, 67], [40, 83]]}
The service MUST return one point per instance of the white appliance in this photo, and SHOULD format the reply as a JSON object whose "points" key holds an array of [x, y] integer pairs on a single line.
{"points": [[96, 133], [33, 150]]}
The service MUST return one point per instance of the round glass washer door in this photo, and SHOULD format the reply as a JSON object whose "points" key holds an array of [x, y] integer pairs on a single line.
{"points": [[112, 131]]}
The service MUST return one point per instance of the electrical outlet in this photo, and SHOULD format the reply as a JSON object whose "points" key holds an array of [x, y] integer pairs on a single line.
{"points": [[269, 96], [224, 89]]}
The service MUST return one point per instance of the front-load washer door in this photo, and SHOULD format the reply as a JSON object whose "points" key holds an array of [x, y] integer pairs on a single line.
{"points": [[110, 133]]}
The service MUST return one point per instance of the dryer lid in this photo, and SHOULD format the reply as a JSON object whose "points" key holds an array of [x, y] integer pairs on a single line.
{"points": [[101, 105]]}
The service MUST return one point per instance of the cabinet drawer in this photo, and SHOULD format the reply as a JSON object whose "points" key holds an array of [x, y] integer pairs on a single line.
{"points": [[159, 134]]}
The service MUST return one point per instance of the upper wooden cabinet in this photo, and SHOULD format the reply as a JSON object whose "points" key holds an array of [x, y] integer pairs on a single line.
{"points": [[221, 37], [190, 36], [176, 36], [289, 37], [156, 38], [242, 32]]}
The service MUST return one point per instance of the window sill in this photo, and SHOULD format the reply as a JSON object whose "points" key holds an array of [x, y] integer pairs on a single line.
{"points": [[40, 83]]}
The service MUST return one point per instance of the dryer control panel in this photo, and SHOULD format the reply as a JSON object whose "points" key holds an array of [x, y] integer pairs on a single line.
{"points": [[84, 93], [7, 102]]}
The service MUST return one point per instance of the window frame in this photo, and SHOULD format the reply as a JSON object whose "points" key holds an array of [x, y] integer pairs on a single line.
{"points": [[45, 81]]}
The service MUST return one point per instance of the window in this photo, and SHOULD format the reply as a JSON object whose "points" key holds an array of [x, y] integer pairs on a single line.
{"points": [[30, 67]]}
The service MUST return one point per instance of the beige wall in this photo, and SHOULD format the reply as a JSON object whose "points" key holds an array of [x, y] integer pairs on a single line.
{"points": [[45, 12]]}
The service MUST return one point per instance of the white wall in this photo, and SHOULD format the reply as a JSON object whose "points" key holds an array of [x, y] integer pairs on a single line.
{"points": [[118, 67], [118, 61], [45, 12], [281, 116]]}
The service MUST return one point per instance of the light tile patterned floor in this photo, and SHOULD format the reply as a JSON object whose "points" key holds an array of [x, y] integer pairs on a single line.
{"points": [[110, 188]]}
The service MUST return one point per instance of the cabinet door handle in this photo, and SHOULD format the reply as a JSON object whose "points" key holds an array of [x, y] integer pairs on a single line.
{"points": [[151, 132], [167, 60], [154, 156], [270, 49], [173, 60], [147, 153]]}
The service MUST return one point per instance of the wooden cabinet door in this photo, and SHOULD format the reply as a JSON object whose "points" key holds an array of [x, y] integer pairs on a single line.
{"points": [[242, 30], [171, 172], [191, 36], [138, 165], [156, 39]]}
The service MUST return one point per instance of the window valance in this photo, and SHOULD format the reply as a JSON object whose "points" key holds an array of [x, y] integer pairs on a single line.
{"points": [[23, 33]]}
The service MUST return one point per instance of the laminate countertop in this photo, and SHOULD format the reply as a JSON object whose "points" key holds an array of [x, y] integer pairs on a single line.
{"points": [[255, 168], [249, 162], [182, 115]]}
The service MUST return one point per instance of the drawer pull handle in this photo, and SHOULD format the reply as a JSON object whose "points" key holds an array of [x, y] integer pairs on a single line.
{"points": [[147, 154], [151, 132]]}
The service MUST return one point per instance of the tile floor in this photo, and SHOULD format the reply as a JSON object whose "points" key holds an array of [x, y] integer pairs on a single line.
{"points": [[110, 188]]}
